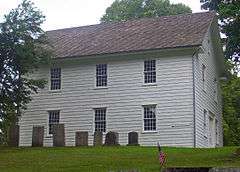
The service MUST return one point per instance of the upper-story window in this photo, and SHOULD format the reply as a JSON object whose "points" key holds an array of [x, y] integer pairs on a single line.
{"points": [[149, 118], [101, 75], [55, 78], [204, 77], [149, 71], [53, 118]]}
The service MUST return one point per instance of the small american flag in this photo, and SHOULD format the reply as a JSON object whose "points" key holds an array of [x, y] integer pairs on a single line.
{"points": [[162, 156]]}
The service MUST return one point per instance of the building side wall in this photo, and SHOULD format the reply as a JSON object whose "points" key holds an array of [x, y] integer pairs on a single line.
{"points": [[205, 97], [123, 98]]}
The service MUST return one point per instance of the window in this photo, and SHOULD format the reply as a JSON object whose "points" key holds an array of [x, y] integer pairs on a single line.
{"points": [[53, 118], [150, 71], [150, 118], [215, 90], [101, 75], [55, 78], [100, 119], [203, 76], [217, 132], [205, 123]]}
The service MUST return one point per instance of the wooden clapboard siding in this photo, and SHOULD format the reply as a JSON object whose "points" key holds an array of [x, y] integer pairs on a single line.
{"points": [[124, 97], [205, 99]]}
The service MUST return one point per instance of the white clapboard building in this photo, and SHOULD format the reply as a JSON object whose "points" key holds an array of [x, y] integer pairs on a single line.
{"points": [[158, 77]]}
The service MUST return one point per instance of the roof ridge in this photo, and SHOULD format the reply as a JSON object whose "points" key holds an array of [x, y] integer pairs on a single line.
{"points": [[133, 20]]}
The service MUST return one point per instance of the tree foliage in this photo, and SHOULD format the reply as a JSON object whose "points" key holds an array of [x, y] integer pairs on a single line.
{"points": [[23, 47], [229, 15], [122, 10], [231, 107]]}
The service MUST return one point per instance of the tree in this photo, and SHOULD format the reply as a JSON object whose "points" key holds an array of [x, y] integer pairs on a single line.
{"points": [[122, 10], [231, 107], [23, 48], [229, 15]]}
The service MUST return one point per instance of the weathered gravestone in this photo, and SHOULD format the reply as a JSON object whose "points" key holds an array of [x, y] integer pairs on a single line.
{"points": [[98, 138], [58, 135], [13, 136], [133, 139], [37, 136], [111, 139], [81, 138]]}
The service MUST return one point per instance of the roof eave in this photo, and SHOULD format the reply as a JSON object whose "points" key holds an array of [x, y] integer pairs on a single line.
{"points": [[122, 53]]}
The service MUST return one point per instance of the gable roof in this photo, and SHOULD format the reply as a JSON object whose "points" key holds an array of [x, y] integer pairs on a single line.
{"points": [[130, 36]]}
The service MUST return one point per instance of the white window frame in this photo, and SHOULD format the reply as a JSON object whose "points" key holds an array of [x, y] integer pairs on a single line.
{"points": [[145, 72], [94, 117], [143, 118], [217, 131], [48, 121], [50, 79], [205, 128], [215, 92], [204, 68], [96, 76]]}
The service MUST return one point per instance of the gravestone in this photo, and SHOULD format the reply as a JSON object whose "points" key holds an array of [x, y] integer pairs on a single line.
{"points": [[133, 139], [13, 136], [98, 138], [37, 136], [81, 138], [111, 139], [58, 135]]}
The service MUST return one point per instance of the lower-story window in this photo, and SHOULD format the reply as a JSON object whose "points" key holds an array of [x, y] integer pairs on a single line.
{"points": [[100, 119], [53, 118], [149, 118]]}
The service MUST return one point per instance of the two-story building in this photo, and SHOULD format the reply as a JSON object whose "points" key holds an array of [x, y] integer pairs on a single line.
{"points": [[155, 76]]}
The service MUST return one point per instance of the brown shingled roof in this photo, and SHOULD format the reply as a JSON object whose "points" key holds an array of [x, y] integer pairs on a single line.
{"points": [[135, 35]]}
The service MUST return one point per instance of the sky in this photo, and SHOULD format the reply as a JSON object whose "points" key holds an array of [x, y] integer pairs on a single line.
{"points": [[71, 13]]}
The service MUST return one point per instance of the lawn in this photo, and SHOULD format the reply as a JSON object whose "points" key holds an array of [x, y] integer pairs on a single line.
{"points": [[111, 158]]}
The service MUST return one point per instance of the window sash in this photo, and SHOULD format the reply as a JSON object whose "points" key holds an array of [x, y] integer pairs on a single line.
{"points": [[205, 122], [55, 78], [149, 118], [150, 71], [203, 75], [101, 75], [100, 119], [53, 118]]}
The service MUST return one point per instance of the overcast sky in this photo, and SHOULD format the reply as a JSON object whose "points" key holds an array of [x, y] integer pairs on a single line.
{"points": [[69, 13]]}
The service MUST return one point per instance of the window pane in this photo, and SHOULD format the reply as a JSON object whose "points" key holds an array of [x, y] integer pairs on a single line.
{"points": [[55, 78], [150, 71], [53, 119], [100, 119], [101, 75], [149, 118]]}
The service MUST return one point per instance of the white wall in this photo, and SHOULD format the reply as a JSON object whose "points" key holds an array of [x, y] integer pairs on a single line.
{"points": [[205, 99], [123, 98]]}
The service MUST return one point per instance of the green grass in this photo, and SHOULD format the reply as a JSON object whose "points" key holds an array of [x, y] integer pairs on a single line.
{"points": [[111, 158]]}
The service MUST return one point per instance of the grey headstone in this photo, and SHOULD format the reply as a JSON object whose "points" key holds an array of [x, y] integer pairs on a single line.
{"points": [[98, 138], [37, 136], [58, 135], [111, 139], [13, 136], [133, 139], [81, 138]]}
